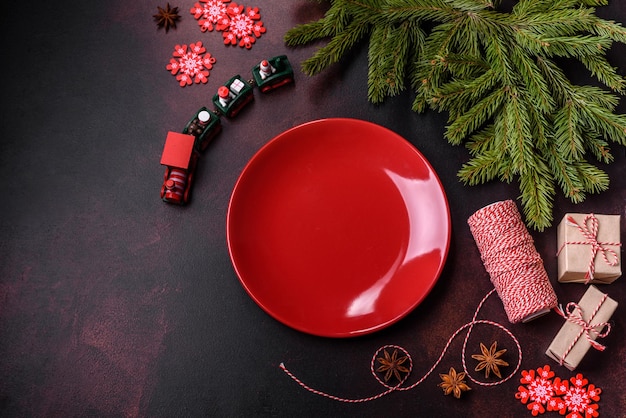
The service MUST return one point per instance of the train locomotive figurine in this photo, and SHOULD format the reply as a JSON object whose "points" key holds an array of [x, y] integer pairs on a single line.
{"points": [[180, 159], [182, 150]]}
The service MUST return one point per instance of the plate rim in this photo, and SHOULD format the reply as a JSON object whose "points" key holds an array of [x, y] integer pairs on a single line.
{"points": [[361, 331]]}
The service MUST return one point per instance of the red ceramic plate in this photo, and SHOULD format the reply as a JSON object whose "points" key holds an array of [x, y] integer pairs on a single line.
{"points": [[338, 227]]}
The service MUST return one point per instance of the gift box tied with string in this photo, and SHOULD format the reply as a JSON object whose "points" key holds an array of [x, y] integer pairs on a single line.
{"points": [[588, 248], [585, 322]]}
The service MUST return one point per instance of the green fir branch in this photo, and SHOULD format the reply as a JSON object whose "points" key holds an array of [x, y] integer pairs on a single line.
{"points": [[567, 135], [541, 128], [481, 169], [601, 69], [594, 179], [460, 96], [598, 147], [471, 120], [567, 175], [610, 29], [567, 22], [519, 140], [537, 87], [388, 54], [496, 75], [481, 142], [336, 48], [420, 10], [537, 195]]}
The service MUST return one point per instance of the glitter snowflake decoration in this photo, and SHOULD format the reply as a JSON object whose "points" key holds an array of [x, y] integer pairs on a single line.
{"points": [[538, 390], [190, 64], [239, 24], [245, 26], [209, 13], [575, 398]]}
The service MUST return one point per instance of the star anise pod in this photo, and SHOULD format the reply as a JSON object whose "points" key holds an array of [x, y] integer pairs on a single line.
{"points": [[453, 383], [392, 365], [167, 17], [490, 359]]}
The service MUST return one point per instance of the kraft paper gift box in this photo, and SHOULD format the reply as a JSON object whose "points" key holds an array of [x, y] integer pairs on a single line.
{"points": [[576, 252], [572, 341]]}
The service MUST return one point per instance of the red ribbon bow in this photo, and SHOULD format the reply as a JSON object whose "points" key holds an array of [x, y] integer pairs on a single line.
{"points": [[574, 314], [589, 230]]}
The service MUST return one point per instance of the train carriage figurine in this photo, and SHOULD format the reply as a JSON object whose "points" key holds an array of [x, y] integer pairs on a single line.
{"points": [[204, 126], [273, 73], [233, 96], [180, 159]]}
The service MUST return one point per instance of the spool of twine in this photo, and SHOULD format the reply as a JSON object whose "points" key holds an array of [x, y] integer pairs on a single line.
{"points": [[514, 265]]}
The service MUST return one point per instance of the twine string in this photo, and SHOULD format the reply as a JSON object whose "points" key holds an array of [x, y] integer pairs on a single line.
{"points": [[574, 314], [515, 267], [589, 230], [517, 274], [398, 387]]}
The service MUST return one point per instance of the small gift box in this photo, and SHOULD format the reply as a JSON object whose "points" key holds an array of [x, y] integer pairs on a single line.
{"points": [[585, 321], [588, 248]]}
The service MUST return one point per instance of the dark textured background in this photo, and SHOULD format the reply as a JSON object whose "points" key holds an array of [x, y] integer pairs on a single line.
{"points": [[113, 303]]}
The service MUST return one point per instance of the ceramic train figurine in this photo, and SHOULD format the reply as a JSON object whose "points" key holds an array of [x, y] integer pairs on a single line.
{"points": [[182, 150]]}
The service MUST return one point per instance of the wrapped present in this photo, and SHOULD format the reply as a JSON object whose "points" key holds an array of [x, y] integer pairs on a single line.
{"points": [[585, 321], [589, 248]]}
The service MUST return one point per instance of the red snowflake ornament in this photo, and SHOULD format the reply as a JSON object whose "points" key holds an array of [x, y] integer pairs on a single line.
{"points": [[240, 25], [244, 27], [575, 398], [190, 64], [209, 13], [538, 389]]}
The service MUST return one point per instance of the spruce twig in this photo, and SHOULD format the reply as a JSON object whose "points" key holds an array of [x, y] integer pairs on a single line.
{"points": [[498, 77]]}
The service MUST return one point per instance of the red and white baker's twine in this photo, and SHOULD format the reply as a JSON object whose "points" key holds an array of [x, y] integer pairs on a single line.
{"points": [[517, 273], [514, 265], [389, 389], [574, 314], [589, 230]]}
